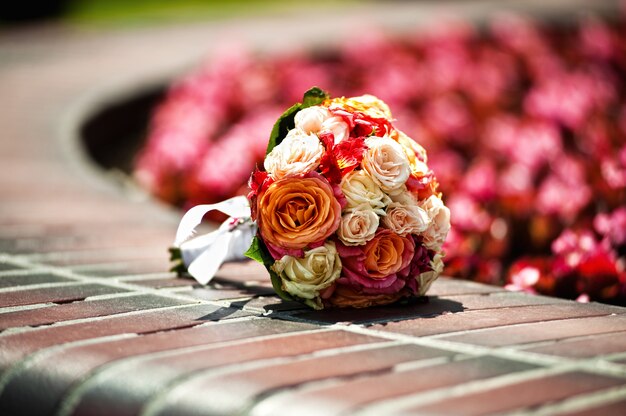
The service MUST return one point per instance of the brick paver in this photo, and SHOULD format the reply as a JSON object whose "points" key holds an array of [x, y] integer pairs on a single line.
{"points": [[346, 396], [148, 372], [90, 309], [58, 294], [91, 321], [587, 346], [528, 393]]}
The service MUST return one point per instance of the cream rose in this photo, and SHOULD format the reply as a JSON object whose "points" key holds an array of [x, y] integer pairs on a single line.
{"points": [[359, 226], [337, 127], [310, 119], [318, 119], [359, 188], [417, 162], [439, 222], [386, 162], [297, 154], [405, 218], [424, 280], [306, 277], [413, 150]]}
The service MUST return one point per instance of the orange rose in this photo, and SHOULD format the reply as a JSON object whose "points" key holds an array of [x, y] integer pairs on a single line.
{"points": [[381, 264], [387, 253], [296, 211]]}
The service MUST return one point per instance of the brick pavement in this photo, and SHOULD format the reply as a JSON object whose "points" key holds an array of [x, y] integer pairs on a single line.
{"points": [[92, 323]]}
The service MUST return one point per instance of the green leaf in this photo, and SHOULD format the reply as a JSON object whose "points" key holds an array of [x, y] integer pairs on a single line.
{"points": [[278, 286], [254, 251], [177, 261], [285, 122], [258, 252], [314, 96], [175, 253], [282, 126]]}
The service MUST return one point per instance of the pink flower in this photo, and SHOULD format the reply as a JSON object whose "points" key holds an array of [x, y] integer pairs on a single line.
{"points": [[518, 34], [236, 153], [532, 143], [449, 167], [515, 180], [531, 275], [422, 258], [561, 198], [524, 280], [612, 226], [467, 214], [614, 169], [592, 265], [488, 79], [596, 39], [448, 116], [569, 98], [381, 265], [480, 180]]}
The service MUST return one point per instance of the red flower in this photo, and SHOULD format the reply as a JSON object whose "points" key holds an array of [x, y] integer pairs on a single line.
{"points": [[259, 181], [328, 165], [349, 154], [362, 125]]}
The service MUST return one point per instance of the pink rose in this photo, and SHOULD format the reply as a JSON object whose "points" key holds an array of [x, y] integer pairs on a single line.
{"points": [[381, 265]]}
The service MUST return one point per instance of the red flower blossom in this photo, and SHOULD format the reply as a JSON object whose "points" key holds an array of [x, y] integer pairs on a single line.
{"points": [[329, 167], [349, 154]]}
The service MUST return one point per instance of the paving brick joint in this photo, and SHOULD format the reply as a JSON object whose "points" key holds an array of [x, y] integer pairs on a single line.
{"points": [[92, 323]]}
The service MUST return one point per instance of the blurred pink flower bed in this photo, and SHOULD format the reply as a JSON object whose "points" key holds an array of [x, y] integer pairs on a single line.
{"points": [[524, 124]]}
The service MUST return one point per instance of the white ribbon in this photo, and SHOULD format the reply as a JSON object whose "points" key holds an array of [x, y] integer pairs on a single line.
{"points": [[203, 255]]}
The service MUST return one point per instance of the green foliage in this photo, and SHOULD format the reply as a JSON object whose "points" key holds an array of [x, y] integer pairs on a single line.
{"points": [[176, 259], [258, 252], [278, 287], [314, 96], [282, 126], [285, 122]]}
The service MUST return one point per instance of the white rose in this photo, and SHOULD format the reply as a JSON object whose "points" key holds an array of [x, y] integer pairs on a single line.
{"points": [[298, 153], [439, 223], [310, 119], [318, 119], [337, 127], [358, 227], [405, 219], [403, 196], [359, 188], [424, 280], [386, 162], [306, 277]]}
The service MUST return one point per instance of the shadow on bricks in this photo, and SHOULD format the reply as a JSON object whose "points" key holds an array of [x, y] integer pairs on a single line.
{"points": [[424, 307]]}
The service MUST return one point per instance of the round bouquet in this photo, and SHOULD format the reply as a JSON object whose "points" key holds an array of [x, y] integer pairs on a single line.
{"points": [[347, 210]]}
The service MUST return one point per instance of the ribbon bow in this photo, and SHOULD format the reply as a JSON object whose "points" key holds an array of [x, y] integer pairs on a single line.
{"points": [[203, 255]]}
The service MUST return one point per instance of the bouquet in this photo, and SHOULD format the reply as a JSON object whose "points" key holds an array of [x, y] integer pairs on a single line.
{"points": [[345, 209]]}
